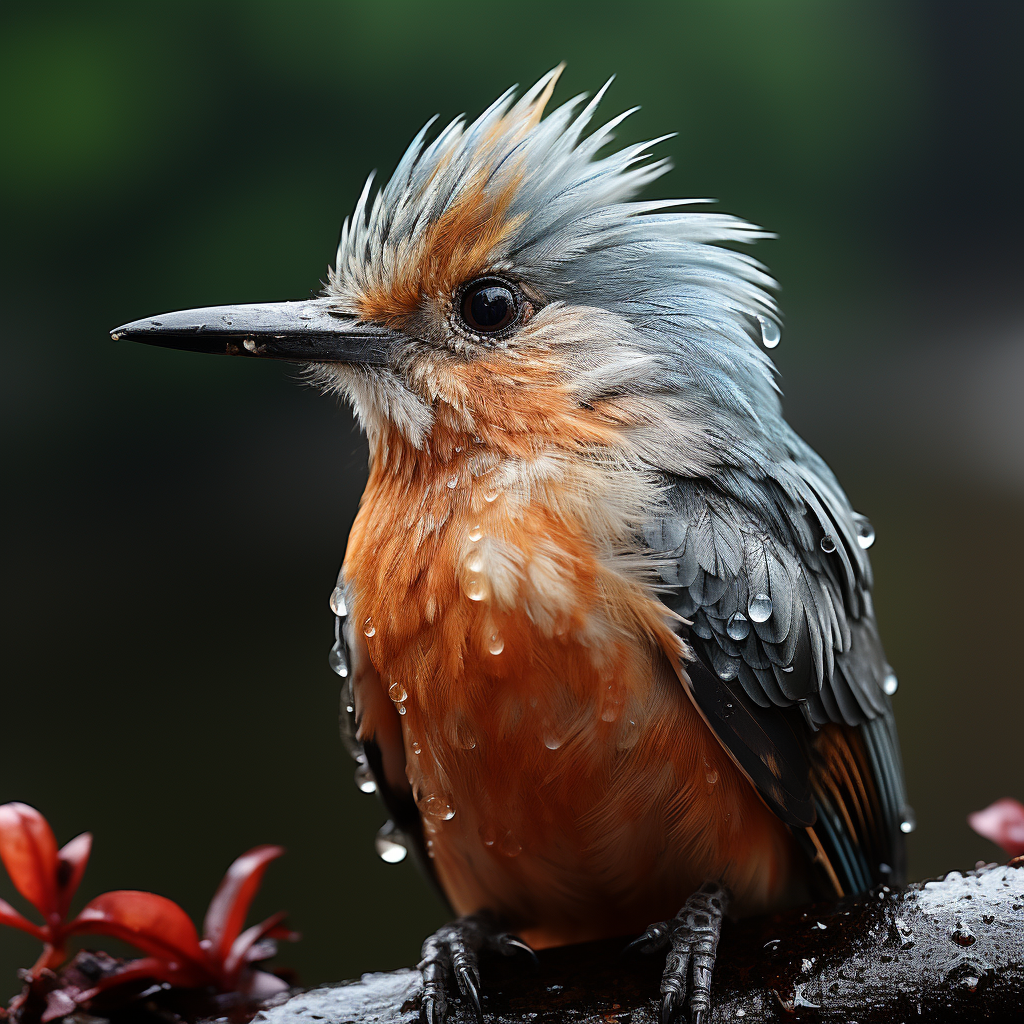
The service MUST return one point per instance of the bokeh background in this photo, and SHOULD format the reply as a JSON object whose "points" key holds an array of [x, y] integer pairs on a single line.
{"points": [[173, 523]]}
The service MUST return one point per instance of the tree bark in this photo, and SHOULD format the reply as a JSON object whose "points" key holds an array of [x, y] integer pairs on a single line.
{"points": [[944, 950]]}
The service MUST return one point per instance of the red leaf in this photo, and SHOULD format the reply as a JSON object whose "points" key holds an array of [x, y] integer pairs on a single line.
{"points": [[71, 862], [10, 917], [236, 959], [230, 904], [1003, 823], [147, 967], [152, 923], [29, 853]]}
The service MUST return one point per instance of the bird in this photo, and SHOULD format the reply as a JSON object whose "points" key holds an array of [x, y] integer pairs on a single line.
{"points": [[604, 622]]}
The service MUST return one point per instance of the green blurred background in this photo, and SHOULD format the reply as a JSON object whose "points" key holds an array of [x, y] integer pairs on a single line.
{"points": [[174, 523]]}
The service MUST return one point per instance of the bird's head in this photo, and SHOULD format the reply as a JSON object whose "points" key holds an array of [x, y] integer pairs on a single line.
{"points": [[505, 285]]}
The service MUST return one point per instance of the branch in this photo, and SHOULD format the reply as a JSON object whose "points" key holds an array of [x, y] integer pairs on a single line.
{"points": [[943, 950]]}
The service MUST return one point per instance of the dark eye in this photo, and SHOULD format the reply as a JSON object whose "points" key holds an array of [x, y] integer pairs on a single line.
{"points": [[489, 306]]}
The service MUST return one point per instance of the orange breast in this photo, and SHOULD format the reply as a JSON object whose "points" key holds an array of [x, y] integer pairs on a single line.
{"points": [[564, 778]]}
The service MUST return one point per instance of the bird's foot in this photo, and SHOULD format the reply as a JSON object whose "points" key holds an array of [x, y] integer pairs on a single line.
{"points": [[693, 939], [453, 950]]}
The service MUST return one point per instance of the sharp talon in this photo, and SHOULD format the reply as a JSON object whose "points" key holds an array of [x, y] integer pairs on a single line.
{"points": [[430, 1012], [518, 944], [468, 987], [668, 1008], [635, 945]]}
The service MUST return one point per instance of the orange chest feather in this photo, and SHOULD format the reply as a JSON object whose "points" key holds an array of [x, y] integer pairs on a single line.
{"points": [[546, 738]]}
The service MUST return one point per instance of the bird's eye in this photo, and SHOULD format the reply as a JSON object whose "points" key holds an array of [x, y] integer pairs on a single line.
{"points": [[489, 306]]}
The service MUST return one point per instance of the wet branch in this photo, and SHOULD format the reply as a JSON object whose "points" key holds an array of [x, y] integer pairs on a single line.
{"points": [[935, 951]]}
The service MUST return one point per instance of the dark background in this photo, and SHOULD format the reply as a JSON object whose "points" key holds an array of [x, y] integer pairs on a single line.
{"points": [[173, 523]]}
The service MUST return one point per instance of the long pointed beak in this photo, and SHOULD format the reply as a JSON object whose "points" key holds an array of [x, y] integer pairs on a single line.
{"points": [[300, 332]]}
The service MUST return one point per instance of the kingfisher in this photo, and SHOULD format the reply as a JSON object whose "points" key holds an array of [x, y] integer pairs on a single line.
{"points": [[604, 621]]}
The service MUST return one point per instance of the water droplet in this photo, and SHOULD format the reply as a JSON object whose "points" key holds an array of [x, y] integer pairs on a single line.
{"points": [[828, 544], [730, 670], [337, 660], [738, 626], [491, 493], [453, 482], [475, 533], [390, 844], [488, 832], [771, 334], [416, 748], [760, 608], [629, 734], [438, 808], [369, 629], [364, 780], [463, 736], [865, 531], [509, 846], [476, 589], [909, 822], [712, 777], [398, 693], [610, 713], [338, 605], [475, 562], [890, 683], [552, 742], [400, 708], [495, 643], [787, 668], [458, 448]]}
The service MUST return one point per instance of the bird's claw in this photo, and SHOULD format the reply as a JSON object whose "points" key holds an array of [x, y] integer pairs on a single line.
{"points": [[452, 953], [693, 934], [509, 945], [656, 936]]}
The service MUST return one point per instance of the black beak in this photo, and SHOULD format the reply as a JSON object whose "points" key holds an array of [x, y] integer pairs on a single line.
{"points": [[300, 332]]}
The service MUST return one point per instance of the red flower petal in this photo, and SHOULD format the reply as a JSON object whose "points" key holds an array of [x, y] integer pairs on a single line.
{"points": [[71, 862], [29, 853], [230, 903], [10, 917], [152, 923], [1003, 823]]}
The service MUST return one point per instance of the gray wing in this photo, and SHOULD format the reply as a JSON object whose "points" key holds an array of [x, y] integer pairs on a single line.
{"points": [[790, 672]]}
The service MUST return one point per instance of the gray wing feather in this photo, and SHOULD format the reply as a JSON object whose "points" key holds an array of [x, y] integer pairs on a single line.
{"points": [[770, 574]]}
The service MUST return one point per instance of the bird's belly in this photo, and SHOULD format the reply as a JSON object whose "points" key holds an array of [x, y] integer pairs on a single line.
{"points": [[575, 818]]}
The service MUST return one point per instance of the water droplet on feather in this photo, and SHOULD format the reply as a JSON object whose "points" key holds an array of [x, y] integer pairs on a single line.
{"points": [[398, 693], [828, 544], [364, 780], [338, 605], [369, 629], [495, 644], [865, 531], [738, 626], [760, 608], [909, 822], [453, 482], [771, 334], [476, 589], [390, 844], [337, 660], [475, 533], [890, 683]]}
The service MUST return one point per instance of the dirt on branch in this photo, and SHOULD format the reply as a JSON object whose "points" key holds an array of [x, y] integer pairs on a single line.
{"points": [[945, 950]]}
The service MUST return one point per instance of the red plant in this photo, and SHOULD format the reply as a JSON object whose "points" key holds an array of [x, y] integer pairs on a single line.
{"points": [[223, 958], [45, 876], [1003, 823]]}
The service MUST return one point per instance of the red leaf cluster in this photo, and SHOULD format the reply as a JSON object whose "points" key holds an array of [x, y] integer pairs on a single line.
{"points": [[48, 878]]}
